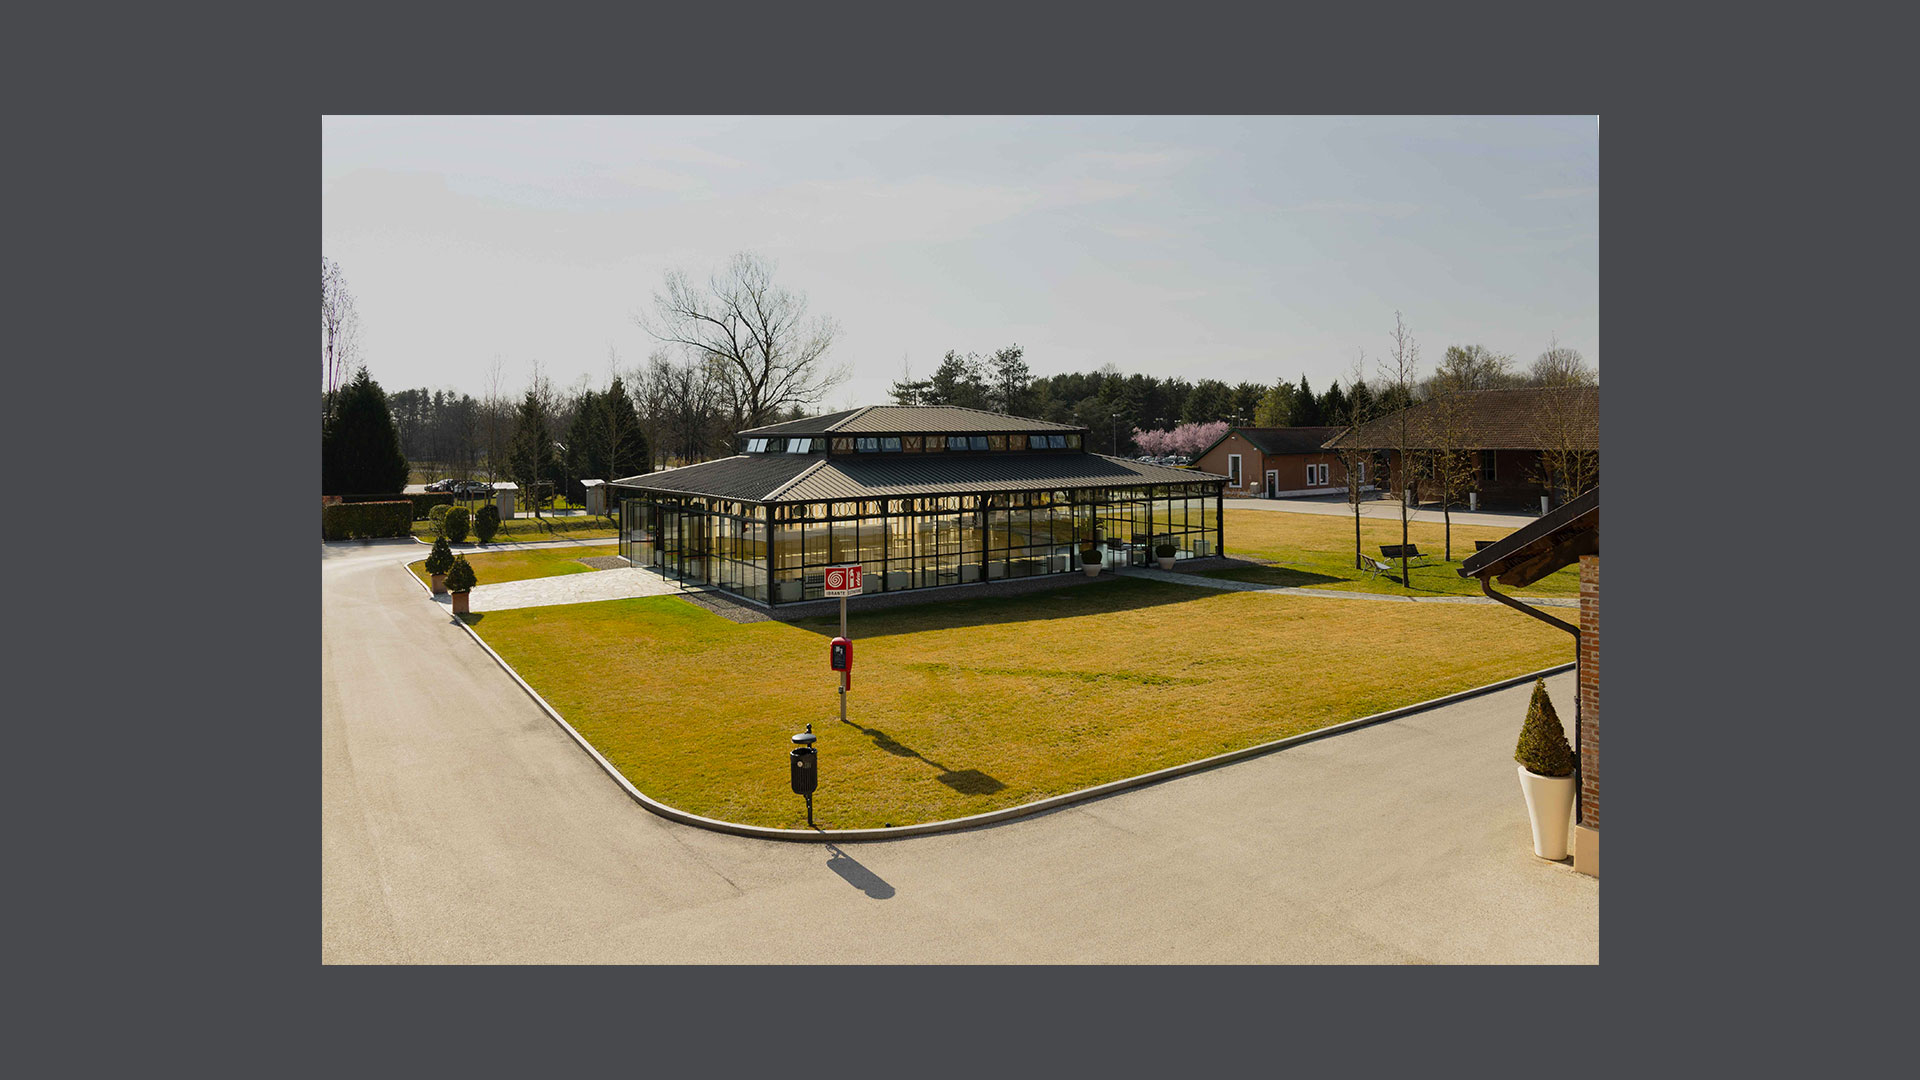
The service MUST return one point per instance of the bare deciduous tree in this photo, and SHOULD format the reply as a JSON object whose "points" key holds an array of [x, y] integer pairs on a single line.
{"points": [[764, 351], [1569, 465], [1449, 396], [1353, 459], [339, 326], [1398, 373], [494, 406], [691, 401], [1561, 366]]}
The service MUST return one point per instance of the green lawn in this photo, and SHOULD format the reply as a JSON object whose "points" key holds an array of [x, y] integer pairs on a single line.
{"points": [[971, 705], [1316, 551], [494, 567]]}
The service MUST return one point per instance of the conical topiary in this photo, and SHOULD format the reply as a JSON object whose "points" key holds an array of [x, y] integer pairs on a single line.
{"points": [[1543, 748], [461, 578], [441, 558]]}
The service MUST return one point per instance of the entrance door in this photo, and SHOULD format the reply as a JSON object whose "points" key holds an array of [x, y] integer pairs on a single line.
{"points": [[1273, 484]]}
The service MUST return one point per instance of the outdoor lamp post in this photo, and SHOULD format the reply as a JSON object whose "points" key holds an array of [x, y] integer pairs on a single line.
{"points": [[803, 764]]}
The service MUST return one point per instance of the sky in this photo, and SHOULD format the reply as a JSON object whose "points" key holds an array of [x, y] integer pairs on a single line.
{"points": [[1236, 248]]}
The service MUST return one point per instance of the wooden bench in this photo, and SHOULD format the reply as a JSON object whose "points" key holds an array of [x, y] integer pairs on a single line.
{"points": [[1392, 551]]}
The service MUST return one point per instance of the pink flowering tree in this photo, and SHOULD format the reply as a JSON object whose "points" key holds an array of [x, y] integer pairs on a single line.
{"points": [[1154, 443], [1190, 439]]}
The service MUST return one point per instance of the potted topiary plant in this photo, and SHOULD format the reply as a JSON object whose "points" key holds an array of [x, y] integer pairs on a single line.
{"points": [[1546, 774], [486, 522], [1090, 559], [460, 581], [438, 563], [1163, 553]]}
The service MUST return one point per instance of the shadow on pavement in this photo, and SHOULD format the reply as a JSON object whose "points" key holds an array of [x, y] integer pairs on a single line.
{"points": [[857, 875]]}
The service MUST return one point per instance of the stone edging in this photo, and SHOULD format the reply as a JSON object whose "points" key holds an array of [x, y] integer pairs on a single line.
{"points": [[991, 817]]}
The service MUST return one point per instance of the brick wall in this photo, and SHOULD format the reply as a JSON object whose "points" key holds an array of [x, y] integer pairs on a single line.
{"points": [[1590, 691]]}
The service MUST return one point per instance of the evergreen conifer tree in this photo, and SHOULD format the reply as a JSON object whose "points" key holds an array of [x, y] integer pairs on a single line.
{"points": [[530, 456], [359, 446], [1306, 407]]}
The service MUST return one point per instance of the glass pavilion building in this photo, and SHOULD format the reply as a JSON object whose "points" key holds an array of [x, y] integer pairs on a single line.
{"points": [[921, 496]]}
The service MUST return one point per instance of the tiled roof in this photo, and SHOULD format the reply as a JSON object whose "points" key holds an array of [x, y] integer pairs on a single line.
{"points": [[752, 477], [1280, 440], [1524, 418], [909, 420]]}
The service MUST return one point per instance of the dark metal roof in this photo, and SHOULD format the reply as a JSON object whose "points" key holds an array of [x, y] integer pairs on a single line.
{"points": [[1279, 440], [811, 425], [1522, 418], [909, 420], [757, 477], [746, 477], [1528, 554]]}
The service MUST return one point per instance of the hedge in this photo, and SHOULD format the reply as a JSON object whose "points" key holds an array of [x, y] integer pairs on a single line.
{"points": [[423, 501], [360, 521]]}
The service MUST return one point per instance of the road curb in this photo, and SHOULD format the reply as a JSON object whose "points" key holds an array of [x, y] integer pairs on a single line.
{"points": [[992, 817]]}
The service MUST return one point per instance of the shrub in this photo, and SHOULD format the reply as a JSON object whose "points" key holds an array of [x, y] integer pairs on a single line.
{"points": [[441, 559], [437, 519], [359, 521], [1089, 553], [423, 501], [455, 523], [461, 577], [1543, 748], [1165, 551], [486, 523]]}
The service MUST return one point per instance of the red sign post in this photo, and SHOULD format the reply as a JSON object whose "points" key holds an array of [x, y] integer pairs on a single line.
{"points": [[843, 581]]}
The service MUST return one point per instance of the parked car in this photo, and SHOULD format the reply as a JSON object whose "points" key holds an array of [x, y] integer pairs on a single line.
{"points": [[443, 484]]}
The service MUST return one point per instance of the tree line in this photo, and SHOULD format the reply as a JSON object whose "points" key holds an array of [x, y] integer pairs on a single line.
{"points": [[1117, 409], [739, 351]]}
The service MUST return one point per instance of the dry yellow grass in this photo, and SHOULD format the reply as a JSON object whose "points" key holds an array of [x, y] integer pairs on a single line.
{"points": [[972, 705]]}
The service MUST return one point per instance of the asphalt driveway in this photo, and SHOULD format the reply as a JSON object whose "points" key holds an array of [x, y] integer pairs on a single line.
{"points": [[460, 825]]}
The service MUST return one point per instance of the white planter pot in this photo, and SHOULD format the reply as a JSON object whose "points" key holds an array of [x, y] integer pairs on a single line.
{"points": [[1165, 564], [1092, 569], [1549, 808]]}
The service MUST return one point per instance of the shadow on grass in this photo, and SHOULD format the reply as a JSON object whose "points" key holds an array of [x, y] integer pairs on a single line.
{"points": [[1096, 598], [857, 875], [1277, 575], [1297, 578], [472, 618], [964, 781]]}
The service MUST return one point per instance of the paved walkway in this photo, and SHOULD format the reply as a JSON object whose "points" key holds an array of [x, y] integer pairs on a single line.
{"points": [[459, 825], [586, 588], [1230, 585], [1336, 506]]}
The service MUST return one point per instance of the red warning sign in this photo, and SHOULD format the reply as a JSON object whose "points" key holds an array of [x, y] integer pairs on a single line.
{"points": [[843, 580]]}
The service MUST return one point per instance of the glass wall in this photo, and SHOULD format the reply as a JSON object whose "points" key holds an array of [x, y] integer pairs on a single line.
{"points": [[779, 554]]}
